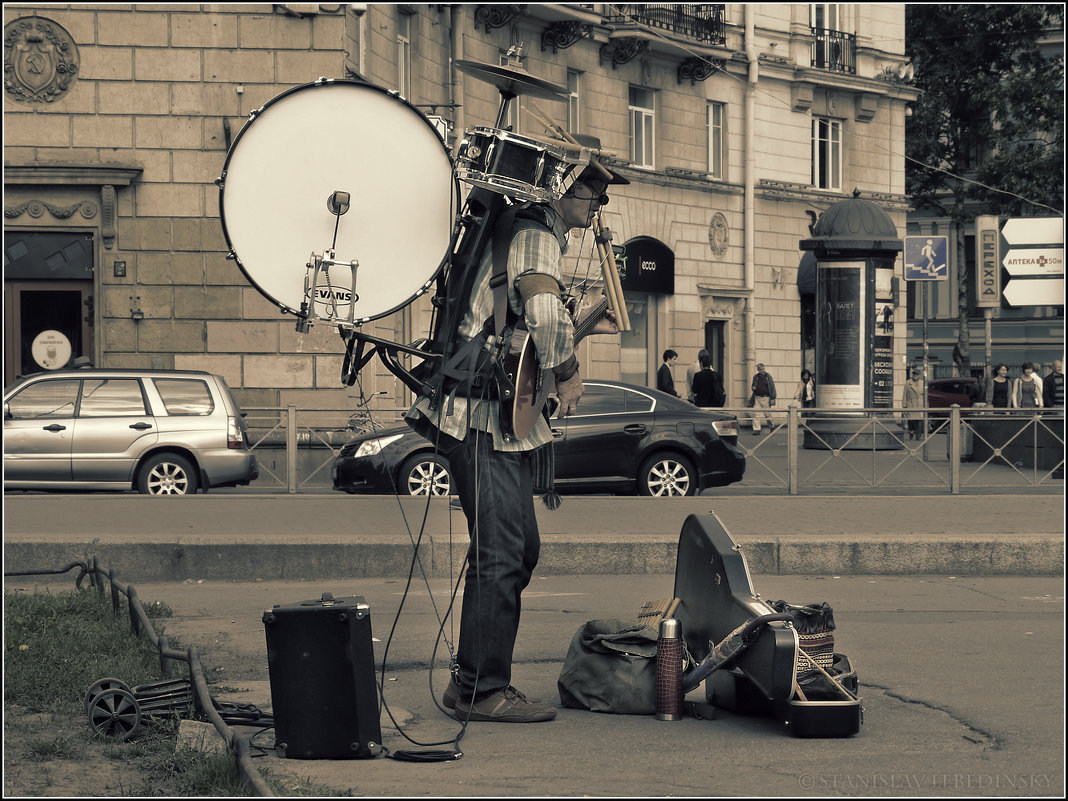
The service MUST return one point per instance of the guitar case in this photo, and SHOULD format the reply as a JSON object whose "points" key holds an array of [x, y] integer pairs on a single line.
{"points": [[716, 596]]}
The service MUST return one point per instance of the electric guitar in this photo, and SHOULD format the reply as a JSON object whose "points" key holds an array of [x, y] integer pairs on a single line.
{"points": [[533, 383]]}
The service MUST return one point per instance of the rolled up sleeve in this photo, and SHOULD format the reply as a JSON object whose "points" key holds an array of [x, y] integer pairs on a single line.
{"points": [[549, 324]]}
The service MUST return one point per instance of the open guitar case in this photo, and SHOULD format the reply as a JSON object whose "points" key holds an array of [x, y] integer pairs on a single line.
{"points": [[769, 676]]}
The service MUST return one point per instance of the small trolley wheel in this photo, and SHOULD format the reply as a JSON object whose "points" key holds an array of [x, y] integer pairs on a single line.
{"points": [[115, 714], [98, 687]]}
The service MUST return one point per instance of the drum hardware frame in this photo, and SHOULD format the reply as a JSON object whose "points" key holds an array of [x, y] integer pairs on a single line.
{"points": [[319, 265]]}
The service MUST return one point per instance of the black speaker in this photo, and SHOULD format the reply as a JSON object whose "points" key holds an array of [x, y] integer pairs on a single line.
{"points": [[323, 693]]}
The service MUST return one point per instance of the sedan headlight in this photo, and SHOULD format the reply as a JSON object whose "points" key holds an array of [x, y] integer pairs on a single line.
{"points": [[726, 428], [373, 446]]}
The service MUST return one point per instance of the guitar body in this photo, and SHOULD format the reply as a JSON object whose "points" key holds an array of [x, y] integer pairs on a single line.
{"points": [[532, 383]]}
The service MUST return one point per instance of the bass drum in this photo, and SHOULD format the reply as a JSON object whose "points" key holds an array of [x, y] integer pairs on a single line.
{"points": [[339, 136]]}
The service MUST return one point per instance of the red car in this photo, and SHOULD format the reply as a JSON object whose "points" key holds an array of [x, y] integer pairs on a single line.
{"points": [[962, 390]]}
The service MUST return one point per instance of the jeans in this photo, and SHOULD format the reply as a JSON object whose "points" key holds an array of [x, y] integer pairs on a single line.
{"points": [[496, 491]]}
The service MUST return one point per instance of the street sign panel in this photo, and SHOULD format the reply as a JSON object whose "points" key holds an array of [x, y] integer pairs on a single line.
{"points": [[1033, 230], [926, 258], [1034, 261], [1032, 253], [988, 292], [1035, 292]]}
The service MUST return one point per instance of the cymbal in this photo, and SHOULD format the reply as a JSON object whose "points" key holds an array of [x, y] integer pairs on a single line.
{"points": [[512, 80]]}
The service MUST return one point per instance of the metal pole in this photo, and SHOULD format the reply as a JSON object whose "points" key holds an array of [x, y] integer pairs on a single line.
{"points": [[954, 449], [792, 434], [291, 447], [925, 351], [988, 314]]}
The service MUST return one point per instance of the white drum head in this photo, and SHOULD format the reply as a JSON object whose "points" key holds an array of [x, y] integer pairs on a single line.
{"points": [[352, 137]]}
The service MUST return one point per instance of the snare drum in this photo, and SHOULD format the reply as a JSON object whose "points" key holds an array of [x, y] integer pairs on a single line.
{"points": [[287, 162], [513, 165]]}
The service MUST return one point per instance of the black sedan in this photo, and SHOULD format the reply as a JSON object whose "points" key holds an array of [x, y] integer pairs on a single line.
{"points": [[624, 439]]}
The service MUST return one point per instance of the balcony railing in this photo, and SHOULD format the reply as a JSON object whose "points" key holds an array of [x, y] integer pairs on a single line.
{"points": [[704, 22], [834, 50]]}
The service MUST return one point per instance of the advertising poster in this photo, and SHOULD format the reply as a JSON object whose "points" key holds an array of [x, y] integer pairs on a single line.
{"points": [[882, 346], [840, 322]]}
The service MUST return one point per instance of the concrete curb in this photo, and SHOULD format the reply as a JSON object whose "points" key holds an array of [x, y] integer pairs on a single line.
{"points": [[137, 562]]}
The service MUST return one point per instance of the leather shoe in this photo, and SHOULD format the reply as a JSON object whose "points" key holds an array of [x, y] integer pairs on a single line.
{"points": [[504, 706], [451, 695]]}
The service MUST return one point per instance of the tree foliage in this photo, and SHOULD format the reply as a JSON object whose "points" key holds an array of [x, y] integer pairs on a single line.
{"points": [[992, 110]]}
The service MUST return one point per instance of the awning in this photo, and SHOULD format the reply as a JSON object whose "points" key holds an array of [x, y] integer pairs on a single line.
{"points": [[806, 274]]}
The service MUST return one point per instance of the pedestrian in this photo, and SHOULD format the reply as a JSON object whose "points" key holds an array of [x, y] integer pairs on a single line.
{"points": [[691, 371], [762, 397], [495, 475], [665, 382], [1027, 389], [707, 387], [1053, 387], [806, 390], [912, 398], [999, 397]]}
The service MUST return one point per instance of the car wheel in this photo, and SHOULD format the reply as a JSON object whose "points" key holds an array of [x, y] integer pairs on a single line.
{"points": [[167, 474], [667, 475], [425, 474]]}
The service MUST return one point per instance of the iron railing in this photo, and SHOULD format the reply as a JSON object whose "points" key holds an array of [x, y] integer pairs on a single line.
{"points": [[959, 449], [834, 50], [704, 22]]}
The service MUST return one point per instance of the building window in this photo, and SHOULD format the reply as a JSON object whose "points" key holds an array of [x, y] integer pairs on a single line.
{"points": [[404, 56], [826, 153], [717, 140], [642, 118], [824, 16], [574, 122]]}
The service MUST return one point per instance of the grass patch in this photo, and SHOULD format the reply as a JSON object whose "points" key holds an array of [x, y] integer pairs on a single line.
{"points": [[56, 645]]}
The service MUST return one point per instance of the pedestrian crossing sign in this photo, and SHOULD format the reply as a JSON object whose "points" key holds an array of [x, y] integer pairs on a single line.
{"points": [[926, 258]]}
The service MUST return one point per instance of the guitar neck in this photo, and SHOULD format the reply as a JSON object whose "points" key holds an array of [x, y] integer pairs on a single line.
{"points": [[590, 319]]}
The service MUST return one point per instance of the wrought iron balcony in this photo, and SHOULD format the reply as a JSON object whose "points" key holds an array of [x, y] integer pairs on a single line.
{"points": [[704, 22], [834, 50]]}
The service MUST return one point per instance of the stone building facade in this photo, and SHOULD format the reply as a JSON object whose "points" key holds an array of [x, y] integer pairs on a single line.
{"points": [[736, 124]]}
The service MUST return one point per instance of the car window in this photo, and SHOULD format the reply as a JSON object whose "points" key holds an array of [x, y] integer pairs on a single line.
{"points": [[185, 395], [45, 399], [112, 397], [599, 399], [638, 401]]}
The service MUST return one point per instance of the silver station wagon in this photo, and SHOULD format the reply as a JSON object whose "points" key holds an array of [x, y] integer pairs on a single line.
{"points": [[160, 432]]}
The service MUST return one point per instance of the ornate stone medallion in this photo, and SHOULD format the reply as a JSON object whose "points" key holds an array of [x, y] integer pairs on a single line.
{"points": [[40, 60], [718, 234]]}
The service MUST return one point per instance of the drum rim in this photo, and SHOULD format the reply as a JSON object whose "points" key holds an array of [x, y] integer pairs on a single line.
{"points": [[318, 84], [541, 143]]}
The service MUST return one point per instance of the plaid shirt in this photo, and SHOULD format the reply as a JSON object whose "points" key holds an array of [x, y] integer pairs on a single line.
{"points": [[533, 250]]}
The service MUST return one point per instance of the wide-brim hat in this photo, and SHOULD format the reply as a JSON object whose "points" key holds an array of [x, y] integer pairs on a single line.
{"points": [[593, 170]]}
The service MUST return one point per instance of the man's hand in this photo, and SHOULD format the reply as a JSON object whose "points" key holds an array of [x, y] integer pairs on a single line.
{"points": [[607, 324], [569, 393]]}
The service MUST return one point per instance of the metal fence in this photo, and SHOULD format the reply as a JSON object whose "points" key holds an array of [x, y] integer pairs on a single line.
{"points": [[802, 450]]}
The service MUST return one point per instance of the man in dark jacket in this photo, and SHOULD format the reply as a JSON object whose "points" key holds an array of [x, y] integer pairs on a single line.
{"points": [[763, 397], [665, 382], [1053, 387]]}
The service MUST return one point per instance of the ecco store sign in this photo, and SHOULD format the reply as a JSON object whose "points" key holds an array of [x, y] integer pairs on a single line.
{"points": [[648, 265]]}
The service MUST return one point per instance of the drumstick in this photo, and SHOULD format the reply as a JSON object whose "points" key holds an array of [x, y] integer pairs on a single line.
{"points": [[613, 286], [537, 111], [833, 680]]}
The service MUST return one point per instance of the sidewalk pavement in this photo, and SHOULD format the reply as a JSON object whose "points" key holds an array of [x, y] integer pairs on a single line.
{"points": [[931, 596], [268, 537]]}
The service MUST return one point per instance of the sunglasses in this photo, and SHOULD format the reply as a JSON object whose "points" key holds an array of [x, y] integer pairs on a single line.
{"points": [[601, 197]]}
